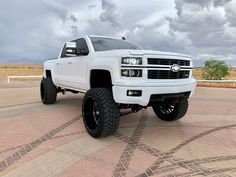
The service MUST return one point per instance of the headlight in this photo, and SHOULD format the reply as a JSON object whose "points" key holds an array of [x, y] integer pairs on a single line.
{"points": [[131, 60], [131, 72]]}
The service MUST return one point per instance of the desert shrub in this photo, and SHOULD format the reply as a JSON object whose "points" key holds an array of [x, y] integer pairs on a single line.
{"points": [[215, 70]]}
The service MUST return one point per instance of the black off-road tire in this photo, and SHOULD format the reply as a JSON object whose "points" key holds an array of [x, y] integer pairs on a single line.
{"points": [[100, 113], [171, 112], [48, 91]]}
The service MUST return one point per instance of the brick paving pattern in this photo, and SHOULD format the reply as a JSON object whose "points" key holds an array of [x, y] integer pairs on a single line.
{"points": [[39, 140]]}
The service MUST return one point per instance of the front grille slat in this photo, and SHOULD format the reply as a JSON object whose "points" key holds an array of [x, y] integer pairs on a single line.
{"points": [[167, 74], [159, 61]]}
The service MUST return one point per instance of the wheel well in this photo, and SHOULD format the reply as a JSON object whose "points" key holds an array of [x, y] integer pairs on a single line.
{"points": [[100, 79], [48, 74]]}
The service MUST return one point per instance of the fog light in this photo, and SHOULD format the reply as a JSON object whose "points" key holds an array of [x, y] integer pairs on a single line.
{"points": [[134, 92]]}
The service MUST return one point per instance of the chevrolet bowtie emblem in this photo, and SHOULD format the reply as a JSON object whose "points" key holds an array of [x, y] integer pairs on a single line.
{"points": [[175, 68]]}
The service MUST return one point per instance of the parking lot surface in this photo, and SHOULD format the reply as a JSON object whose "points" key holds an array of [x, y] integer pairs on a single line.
{"points": [[38, 140]]}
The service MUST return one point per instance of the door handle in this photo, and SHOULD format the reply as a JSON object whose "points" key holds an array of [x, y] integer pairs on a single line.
{"points": [[58, 63], [69, 63]]}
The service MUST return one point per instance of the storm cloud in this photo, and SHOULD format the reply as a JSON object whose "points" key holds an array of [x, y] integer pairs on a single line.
{"points": [[36, 30], [208, 25]]}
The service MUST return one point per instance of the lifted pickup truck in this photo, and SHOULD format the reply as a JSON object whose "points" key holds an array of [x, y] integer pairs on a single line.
{"points": [[117, 75]]}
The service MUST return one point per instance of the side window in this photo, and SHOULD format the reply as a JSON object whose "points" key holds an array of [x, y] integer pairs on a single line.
{"points": [[81, 44]]}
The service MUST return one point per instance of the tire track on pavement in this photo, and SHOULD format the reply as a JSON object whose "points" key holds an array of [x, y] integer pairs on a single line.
{"points": [[14, 157], [179, 163], [52, 138], [176, 163], [207, 173], [127, 154], [9, 106], [35, 102], [168, 155]]}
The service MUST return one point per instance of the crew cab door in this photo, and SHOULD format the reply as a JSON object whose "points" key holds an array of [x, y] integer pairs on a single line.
{"points": [[59, 69], [73, 69]]}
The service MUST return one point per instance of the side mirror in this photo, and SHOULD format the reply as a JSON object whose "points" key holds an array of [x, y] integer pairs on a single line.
{"points": [[71, 49]]}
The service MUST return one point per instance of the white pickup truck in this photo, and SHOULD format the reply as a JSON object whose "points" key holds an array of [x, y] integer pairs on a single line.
{"points": [[118, 75]]}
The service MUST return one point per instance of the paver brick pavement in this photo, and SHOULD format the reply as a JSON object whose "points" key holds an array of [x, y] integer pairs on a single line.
{"points": [[39, 140]]}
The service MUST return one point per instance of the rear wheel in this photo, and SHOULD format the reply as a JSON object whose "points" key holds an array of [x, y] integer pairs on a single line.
{"points": [[100, 112], [171, 112], [48, 91]]}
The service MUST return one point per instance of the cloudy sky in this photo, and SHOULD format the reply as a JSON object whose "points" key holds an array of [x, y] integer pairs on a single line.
{"points": [[32, 31]]}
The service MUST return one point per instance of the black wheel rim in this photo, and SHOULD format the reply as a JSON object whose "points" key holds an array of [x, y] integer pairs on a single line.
{"points": [[91, 114], [169, 109]]}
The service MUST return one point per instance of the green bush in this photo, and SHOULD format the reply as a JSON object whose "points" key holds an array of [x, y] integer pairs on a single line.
{"points": [[215, 70]]}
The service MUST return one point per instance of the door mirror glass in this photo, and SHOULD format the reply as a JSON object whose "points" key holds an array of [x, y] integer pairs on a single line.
{"points": [[71, 49]]}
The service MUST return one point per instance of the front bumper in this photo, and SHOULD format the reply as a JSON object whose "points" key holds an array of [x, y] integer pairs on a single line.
{"points": [[120, 92]]}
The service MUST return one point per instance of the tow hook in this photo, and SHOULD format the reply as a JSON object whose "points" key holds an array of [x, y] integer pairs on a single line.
{"points": [[134, 109]]}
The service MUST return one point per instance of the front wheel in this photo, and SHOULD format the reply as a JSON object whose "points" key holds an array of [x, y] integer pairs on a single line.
{"points": [[171, 112], [100, 112]]}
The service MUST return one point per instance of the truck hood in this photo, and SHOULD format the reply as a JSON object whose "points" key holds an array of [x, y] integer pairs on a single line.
{"points": [[154, 52], [123, 52]]}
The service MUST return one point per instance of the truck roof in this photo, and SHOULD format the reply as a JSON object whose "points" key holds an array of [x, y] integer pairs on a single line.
{"points": [[104, 37]]}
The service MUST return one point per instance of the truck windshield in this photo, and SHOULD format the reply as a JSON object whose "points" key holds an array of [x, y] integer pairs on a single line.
{"points": [[103, 44]]}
